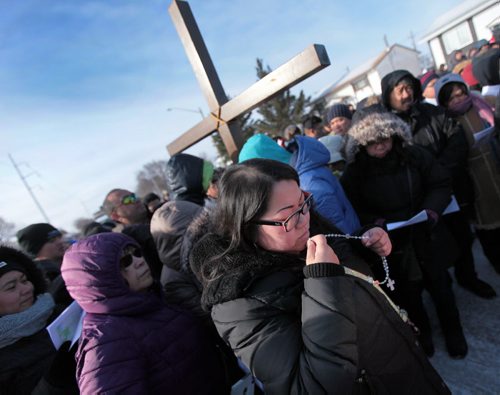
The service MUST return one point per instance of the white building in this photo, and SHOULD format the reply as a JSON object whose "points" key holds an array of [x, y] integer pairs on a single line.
{"points": [[461, 26], [364, 80]]}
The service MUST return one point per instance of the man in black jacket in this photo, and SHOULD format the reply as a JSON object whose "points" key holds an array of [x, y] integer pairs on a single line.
{"points": [[433, 129], [45, 245]]}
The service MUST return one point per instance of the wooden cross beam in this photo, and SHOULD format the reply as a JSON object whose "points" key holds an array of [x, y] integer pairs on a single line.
{"points": [[224, 112]]}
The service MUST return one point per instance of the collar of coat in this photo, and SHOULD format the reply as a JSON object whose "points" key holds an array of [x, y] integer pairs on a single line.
{"points": [[227, 277]]}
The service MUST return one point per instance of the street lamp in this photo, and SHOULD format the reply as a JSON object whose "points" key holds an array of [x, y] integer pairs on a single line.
{"points": [[188, 110]]}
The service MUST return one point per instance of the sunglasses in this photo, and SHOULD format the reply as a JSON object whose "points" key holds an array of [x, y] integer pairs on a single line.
{"points": [[129, 199], [126, 260], [293, 219]]}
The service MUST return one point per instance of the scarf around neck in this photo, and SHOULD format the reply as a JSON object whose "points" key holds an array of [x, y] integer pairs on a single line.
{"points": [[477, 103], [14, 327], [461, 108], [484, 110]]}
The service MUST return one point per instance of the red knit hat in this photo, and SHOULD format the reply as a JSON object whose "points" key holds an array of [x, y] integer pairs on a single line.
{"points": [[468, 76], [428, 77]]}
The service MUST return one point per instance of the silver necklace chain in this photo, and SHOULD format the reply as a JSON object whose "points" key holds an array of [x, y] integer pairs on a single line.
{"points": [[387, 280]]}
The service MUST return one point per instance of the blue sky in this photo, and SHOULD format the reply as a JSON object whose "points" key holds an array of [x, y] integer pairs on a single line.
{"points": [[85, 85]]}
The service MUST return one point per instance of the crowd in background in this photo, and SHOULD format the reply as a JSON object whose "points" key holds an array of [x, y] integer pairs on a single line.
{"points": [[281, 266]]}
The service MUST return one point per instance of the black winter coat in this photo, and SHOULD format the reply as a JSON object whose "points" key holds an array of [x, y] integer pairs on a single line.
{"points": [[23, 363], [185, 178], [486, 67], [395, 188], [441, 135], [175, 226], [311, 330]]}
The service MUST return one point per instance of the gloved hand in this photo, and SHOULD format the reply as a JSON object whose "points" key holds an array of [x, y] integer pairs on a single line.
{"points": [[62, 371]]}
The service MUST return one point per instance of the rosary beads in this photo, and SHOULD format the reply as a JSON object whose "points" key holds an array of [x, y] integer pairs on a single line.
{"points": [[390, 282]]}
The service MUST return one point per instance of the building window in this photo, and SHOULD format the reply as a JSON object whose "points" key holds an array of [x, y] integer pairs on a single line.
{"points": [[457, 38], [360, 84]]}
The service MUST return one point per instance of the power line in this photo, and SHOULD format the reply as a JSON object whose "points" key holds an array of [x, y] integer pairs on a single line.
{"points": [[30, 191]]}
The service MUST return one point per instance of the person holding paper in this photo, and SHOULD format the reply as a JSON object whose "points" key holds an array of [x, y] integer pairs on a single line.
{"points": [[388, 179], [131, 341], [26, 352], [476, 115], [444, 138]]}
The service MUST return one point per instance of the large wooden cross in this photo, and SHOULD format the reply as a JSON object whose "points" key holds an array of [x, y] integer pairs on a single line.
{"points": [[224, 113]]}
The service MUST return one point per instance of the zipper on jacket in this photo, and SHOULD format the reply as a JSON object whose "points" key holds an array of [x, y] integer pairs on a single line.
{"points": [[363, 381]]}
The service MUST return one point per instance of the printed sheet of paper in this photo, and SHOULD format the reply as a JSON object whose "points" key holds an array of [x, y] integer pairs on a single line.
{"points": [[68, 326], [482, 136], [452, 207], [420, 217], [245, 386]]}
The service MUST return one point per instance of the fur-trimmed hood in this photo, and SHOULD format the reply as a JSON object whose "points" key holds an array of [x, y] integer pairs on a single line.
{"points": [[374, 127], [226, 276]]}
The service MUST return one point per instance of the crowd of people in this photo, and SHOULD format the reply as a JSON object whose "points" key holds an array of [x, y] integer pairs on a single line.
{"points": [[283, 267]]}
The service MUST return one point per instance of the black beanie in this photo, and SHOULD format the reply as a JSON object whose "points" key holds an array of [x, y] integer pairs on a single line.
{"points": [[338, 110], [6, 267], [13, 259], [32, 238]]}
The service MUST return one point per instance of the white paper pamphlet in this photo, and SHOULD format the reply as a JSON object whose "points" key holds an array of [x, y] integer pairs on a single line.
{"points": [[68, 326], [452, 207], [245, 386], [420, 217], [482, 136]]}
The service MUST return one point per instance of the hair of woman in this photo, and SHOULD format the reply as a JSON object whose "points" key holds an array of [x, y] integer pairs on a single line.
{"points": [[245, 190]]}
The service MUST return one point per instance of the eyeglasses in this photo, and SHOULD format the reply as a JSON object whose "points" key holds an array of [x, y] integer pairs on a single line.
{"points": [[291, 222], [400, 88], [126, 260]]}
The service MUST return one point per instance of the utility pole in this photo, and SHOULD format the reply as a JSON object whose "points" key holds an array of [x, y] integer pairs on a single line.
{"points": [[23, 179], [412, 38]]}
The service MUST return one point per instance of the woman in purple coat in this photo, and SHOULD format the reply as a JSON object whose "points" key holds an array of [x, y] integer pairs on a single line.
{"points": [[131, 341]]}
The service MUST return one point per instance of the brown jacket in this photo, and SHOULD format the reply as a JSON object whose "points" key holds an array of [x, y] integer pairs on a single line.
{"points": [[484, 172]]}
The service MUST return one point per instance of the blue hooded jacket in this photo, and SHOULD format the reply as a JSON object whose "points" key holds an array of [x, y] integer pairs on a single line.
{"points": [[310, 160]]}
